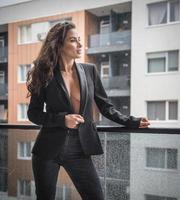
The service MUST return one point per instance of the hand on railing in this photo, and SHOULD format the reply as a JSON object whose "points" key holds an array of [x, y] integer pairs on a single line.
{"points": [[144, 123]]}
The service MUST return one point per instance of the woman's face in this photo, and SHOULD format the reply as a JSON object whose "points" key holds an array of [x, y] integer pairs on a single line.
{"points": [[72, 47]]}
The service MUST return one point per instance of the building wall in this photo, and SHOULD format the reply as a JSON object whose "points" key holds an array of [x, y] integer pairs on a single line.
{"points": [[145, 39], [18, 168], [143, 180], [146, 87]]}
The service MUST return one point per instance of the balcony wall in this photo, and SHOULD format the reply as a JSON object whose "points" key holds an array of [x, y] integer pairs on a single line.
{"points": [[109, 42], [3, 55], [122, 168]]}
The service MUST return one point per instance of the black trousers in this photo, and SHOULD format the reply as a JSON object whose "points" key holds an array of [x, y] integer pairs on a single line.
{"points": [[79, 167]]}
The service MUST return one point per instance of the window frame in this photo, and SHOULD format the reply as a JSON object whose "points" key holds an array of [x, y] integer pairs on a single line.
{"points": [[19, 72], [166, 160], [19, 118], [166, 110], [2, 41], [19, 181], [162, 54], [20, 35], [105, 65], [163, 197], [42, 35], [2, 75], [168, 15], [19, 157]]}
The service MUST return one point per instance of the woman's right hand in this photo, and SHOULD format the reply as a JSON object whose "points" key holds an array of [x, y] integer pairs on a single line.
{"points": [[72, 120], [144, 123]]}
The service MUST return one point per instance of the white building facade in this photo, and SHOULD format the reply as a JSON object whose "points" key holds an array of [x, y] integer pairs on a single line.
{"points": [[155, 86]]}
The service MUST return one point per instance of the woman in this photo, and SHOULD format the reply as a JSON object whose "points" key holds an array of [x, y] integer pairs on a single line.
{"points": [[68, 136]]}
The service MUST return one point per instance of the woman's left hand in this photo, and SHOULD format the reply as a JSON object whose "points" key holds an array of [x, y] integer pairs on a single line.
{"points": [[144, 123]]}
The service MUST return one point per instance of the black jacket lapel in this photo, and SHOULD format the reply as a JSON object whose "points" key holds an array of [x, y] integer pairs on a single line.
{"points": [[83, 87], [60, 82], [82, 82]]}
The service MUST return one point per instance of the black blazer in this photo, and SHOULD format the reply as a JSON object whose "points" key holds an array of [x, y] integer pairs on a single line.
{"points": [[51, 137]]}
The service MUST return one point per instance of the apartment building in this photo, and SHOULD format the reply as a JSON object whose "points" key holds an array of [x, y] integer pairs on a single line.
{"points": [[155, 86], [3, 73], [105, 43], [135, 47], [3, 105]]}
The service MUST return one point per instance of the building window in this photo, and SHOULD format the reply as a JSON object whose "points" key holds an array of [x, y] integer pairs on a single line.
{"points": [[24, 150], [104, 26], [2, 42], [161, 158], [25, 34], [22, 112], [163, 12], [22, 72], [174, 10], [162, 110], [2, 77], [105, 70], [63, 192], [33, 32], [3, 112], [24, 187], [37, 31], [155, 197], [163, 61]]}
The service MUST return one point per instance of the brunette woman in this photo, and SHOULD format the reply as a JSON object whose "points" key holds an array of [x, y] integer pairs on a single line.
{"points": [[62, 94]]}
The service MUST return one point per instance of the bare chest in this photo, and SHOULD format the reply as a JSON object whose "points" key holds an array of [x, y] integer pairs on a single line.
{"points": [[72, 84]]}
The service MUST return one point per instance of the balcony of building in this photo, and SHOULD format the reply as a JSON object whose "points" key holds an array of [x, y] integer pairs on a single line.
{"points": [[114, 69], [116, 82], [109, 42], [110, 30], [136, 164]]}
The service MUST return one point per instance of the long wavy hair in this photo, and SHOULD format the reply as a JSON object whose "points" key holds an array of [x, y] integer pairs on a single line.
{"points": [[48, 58]]}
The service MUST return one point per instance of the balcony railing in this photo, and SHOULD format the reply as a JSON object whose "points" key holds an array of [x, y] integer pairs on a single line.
{"points": [[136, 164], [3, 54], [116, 82], [114, 40]]}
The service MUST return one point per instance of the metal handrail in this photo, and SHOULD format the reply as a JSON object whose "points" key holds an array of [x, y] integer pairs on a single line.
{"points": [[102, 129]]}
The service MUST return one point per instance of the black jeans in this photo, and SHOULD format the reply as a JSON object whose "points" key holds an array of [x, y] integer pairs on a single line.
{"points": [[79, 167]]}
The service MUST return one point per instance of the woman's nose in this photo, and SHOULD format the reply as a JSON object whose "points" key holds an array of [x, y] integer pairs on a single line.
{"points": [[79, 44]]}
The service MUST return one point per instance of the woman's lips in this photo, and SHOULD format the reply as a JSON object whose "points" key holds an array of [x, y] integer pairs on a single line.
{"points": [[79, 51]]}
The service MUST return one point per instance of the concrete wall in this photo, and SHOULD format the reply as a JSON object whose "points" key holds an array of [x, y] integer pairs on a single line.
{"points": [[143, 180]]}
